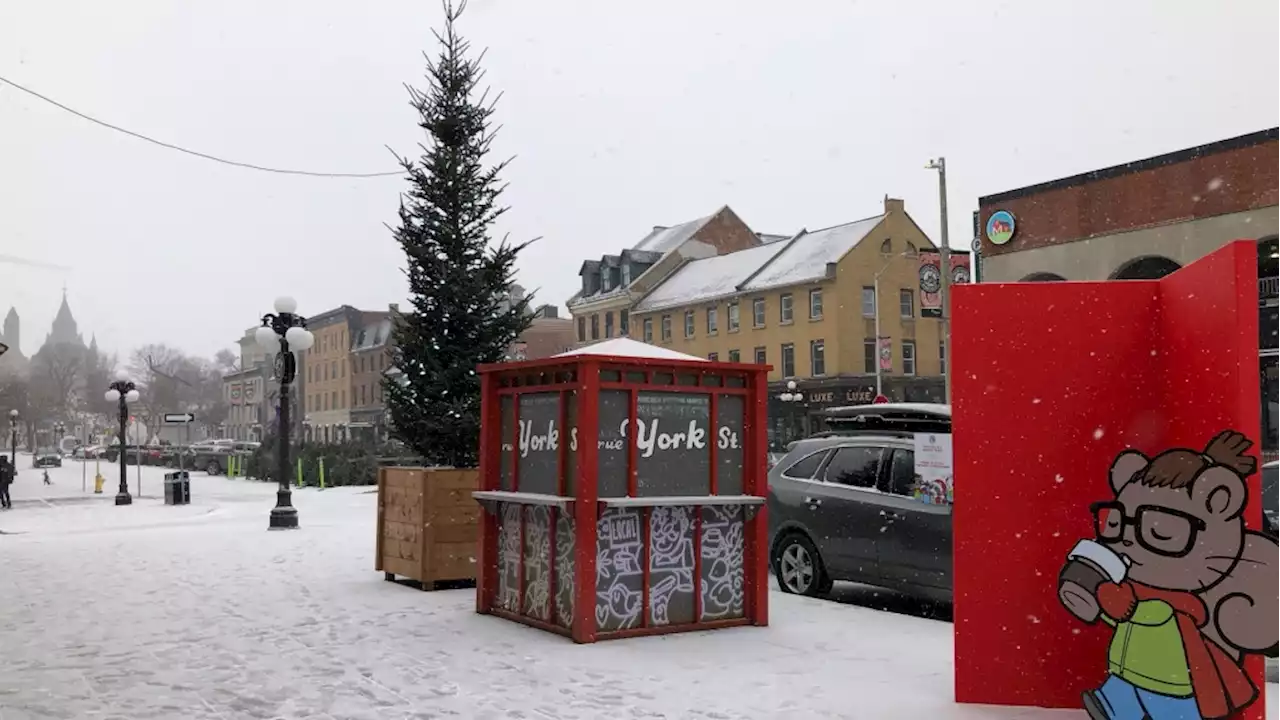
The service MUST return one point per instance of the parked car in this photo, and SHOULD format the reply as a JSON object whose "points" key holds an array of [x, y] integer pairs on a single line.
{"points": [[210, 457], [112, 454], [1270, 506], [843, 506], [46, 458]]}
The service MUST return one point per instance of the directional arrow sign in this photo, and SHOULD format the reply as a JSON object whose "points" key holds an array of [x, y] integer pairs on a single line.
{"points": [[179, 417]]}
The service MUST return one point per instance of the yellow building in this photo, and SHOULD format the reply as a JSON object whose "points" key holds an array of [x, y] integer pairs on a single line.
{"points": [[808, 306]]}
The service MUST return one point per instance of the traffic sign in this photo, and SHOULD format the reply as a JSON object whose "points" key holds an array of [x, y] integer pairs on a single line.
{"points": [[179, 417]]}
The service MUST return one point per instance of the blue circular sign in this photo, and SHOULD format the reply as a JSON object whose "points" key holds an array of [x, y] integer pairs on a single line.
{"points": [[1000, 227]]}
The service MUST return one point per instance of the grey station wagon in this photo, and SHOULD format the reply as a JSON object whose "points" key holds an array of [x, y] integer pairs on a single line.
{"points": [[845, 506]]}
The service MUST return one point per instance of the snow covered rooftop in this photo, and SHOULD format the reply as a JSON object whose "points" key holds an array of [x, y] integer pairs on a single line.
{"points": [[626, 347], [805, 258], [665, 239], [708, 278]]}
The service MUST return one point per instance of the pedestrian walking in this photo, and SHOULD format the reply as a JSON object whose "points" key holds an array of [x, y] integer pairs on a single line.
{"points": [[47, 481], [6, 479]]}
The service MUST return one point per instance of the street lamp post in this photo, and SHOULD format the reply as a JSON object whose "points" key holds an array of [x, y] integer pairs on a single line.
{"points": [[13, 439], [58, 430], [122, 392], [284, 332], [944, 288], [792, 395]]}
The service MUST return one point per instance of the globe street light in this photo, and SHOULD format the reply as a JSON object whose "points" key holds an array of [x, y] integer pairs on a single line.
{"points": [[123, 392], [284, 332], [13, 439], [792, 395]]}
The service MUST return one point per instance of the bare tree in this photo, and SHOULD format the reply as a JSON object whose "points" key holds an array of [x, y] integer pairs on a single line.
{"points": [[57, 372], [153, 368]]}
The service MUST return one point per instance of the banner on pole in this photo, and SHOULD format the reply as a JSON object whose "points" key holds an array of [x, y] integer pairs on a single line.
{"points": [[931, 280], [885, 352]]}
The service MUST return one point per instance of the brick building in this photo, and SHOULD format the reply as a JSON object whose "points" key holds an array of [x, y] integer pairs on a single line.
{"points": [[549, 335], [370, 359], [327, 373], [612, 284], [1143, 220]]}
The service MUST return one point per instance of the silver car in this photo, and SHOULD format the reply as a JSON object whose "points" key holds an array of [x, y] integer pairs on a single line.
{"points": [[844, 507]]}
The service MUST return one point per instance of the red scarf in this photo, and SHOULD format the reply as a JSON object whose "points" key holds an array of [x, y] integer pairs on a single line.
{"points": [[1220, 685]]}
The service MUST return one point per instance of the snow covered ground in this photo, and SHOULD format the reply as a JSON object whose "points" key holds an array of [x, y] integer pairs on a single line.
{"points": [[198, 612]]}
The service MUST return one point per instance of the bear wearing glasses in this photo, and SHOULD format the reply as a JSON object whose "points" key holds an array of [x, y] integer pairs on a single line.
{"points": [[1188, 589]]}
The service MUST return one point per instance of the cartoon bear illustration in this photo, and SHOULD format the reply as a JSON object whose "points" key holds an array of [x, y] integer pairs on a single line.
{"points": [[1189, 590]]}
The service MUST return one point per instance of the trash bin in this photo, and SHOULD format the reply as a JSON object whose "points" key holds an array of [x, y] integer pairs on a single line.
{"points": [[177, 488]]}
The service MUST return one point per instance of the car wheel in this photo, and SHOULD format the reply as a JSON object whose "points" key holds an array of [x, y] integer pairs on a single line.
{"points": [[213, 468], [799, 568]]}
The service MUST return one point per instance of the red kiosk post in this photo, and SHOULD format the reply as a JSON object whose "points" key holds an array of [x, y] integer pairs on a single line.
{"points": [[623, 493], [1114, 423]]}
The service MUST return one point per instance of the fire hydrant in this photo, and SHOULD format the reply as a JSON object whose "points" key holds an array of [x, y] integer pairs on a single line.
{"points": [[97, 484]]}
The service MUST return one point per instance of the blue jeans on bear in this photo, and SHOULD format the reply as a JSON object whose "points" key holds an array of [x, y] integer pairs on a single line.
{"points": [[1122, 700]]}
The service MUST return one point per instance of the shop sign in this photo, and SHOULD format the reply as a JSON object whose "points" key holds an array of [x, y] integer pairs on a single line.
{"points": [[1000, 227], [849, 396]]}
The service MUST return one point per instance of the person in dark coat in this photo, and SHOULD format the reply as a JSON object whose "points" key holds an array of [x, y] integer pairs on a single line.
{"points": [[6, 479]]}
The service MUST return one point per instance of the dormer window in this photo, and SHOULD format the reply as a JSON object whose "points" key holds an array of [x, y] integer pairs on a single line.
{"points": [[626, 274]]}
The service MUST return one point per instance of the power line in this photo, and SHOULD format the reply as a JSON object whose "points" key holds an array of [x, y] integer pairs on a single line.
{"points": [[206, 156]]}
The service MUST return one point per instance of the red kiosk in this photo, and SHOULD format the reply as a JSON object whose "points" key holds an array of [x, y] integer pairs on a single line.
{"points": [[1066, 397], [595, 531]]}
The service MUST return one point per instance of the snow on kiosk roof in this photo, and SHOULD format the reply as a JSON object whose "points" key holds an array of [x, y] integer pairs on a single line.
{"points": [[626, 347]]}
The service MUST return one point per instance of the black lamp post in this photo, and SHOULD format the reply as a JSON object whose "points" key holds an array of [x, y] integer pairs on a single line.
{"points": [[792, 395], [284, 332], [123, 391], [13, 439]]}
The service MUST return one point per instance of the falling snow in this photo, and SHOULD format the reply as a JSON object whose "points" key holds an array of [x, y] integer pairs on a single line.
{"points": [[1097, 434]]}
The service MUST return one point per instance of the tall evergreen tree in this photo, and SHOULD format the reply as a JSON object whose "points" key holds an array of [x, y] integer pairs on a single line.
{"points": [[458, 278]]}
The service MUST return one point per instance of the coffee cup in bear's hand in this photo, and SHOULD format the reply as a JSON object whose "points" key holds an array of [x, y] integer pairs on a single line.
{"points": [[1077, 585]]}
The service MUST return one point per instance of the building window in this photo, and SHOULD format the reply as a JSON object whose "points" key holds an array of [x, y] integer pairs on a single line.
{"points": [[648, 329], [733, 316], [713, 357], [595, 327], [908, 357], [762, 356], [942, 359], [582, 329], [868, 302], [907, 303], [666, 328], [713, 320], [688, 323], [735, 356], [785, 314], [869, 357], [817, 358], [608, 324], [815, 304], [788, 360], [757, 312], [624, 322]]}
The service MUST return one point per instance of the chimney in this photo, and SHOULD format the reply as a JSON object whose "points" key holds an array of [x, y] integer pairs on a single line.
{"points": [[549, 311], [893, 205]]}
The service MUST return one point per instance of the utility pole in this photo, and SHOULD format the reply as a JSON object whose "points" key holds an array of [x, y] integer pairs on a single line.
{"points": [[944, 291]]}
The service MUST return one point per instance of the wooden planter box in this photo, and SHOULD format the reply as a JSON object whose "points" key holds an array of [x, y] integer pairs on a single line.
{"points": [[428, 524]]}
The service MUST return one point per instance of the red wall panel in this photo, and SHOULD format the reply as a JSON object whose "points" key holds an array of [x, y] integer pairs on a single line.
{"points": [[1052, 381]]}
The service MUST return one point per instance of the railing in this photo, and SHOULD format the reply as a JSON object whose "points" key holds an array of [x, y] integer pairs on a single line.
{"points": [[1267, 287]]}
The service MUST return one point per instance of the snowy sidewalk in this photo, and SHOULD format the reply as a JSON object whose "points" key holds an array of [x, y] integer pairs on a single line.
{"points": [[218, 618]]}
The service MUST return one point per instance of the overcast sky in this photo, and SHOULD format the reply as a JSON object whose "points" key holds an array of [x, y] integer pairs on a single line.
{"points": [[622, 116]]}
